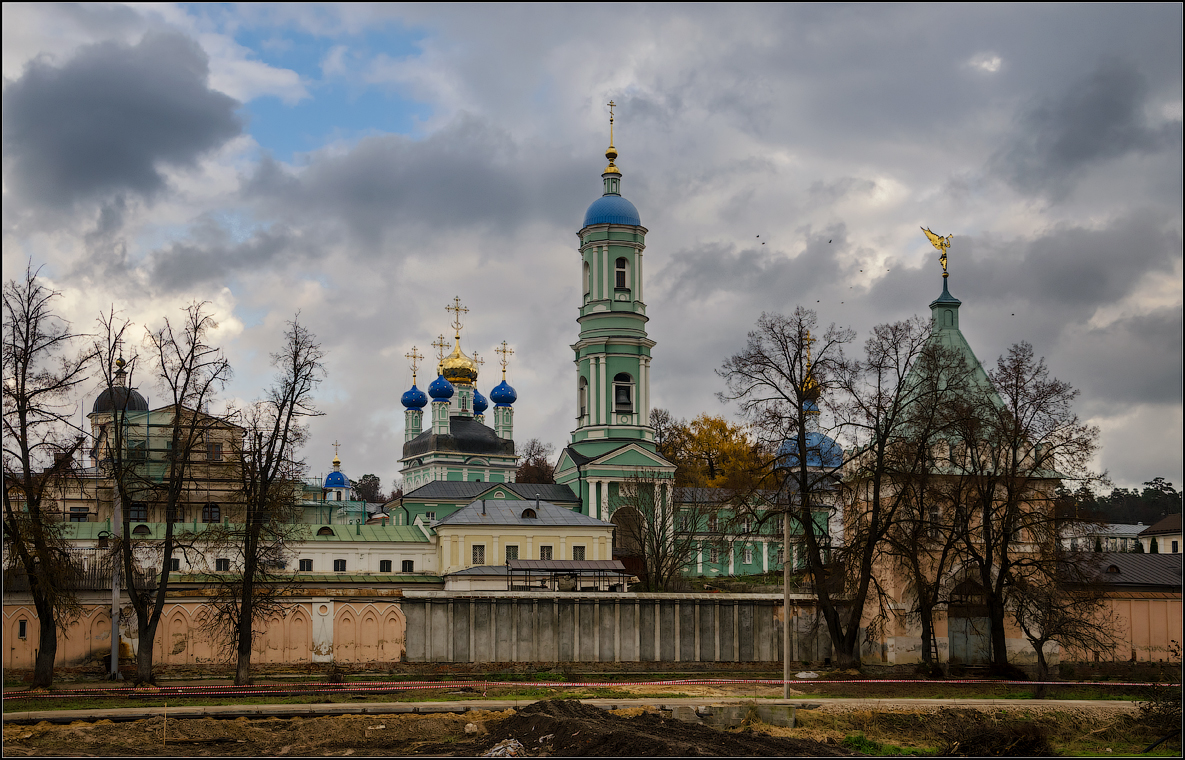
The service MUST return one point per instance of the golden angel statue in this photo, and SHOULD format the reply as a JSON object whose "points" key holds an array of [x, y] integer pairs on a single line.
{"points": [[941, 243]]}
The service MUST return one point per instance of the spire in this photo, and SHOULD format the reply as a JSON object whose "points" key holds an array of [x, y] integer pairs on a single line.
{"points": [[611, 153]]}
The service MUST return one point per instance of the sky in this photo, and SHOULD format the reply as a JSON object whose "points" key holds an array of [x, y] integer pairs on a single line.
{"points": [[365, 164]]}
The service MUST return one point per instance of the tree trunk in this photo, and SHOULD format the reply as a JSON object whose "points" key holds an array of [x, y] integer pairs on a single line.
{"points": [[144, 653], [1042, 671], [999, 637], [47, 647], [926, 616]]}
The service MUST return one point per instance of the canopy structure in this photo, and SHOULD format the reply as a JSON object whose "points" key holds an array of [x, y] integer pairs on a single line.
{"points": [[566, 575]]}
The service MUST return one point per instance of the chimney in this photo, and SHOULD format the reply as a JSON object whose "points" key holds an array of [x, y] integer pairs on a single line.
{"points": [[483, 507], [536, 503]]}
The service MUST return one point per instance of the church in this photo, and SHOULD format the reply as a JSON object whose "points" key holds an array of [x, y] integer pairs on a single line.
{"points": [[459, 459]]}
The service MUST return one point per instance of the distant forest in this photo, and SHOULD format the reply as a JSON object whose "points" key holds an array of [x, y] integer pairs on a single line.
{"points": [[1149, 505]]}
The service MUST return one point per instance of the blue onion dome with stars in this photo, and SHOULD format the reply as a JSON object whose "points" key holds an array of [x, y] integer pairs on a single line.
{"points": [[414, 398], [479, 402], [440, 389], [821, 451], [337, 478], [503, 394]]}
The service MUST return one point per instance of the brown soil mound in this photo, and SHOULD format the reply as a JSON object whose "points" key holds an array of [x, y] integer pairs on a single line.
{"points": [[570, 728]]}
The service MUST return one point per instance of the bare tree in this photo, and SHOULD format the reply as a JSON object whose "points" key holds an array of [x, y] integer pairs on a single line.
{"points": [[1017, 440], [253, 590], [658, 521], [41, 372], [536, 464], [190, 372]]}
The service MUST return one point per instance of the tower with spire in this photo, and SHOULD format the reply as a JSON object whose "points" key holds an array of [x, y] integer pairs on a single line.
{"points": [[613, 440], [458, 445]]}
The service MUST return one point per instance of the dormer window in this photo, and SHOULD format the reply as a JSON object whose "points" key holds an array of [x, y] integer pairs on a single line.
{"points": [[1113, 569], [529, 514], [326, 531]]}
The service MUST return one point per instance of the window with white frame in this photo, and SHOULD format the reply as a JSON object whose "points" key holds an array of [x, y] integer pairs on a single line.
{"points": [[747, 555], [479, 554], [781, 558], [408, 566], [623, 392], [623, 273], [713, 555], [339, 566], [384, 565], [222, 565], [306, 566]]}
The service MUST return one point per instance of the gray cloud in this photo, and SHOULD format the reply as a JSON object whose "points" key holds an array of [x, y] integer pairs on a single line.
{"points": [[1134, 359], [106, 120], [1099, 118]]}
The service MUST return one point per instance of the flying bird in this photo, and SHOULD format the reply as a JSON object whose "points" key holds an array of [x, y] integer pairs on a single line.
{"points": [[828, 242]]}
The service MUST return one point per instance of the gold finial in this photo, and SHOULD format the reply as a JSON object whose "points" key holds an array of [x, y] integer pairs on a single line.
{"points": [[941, 243], [457, 309], [810, 386], [441, 345], [506, 353], [611, 154], [414, 357]]}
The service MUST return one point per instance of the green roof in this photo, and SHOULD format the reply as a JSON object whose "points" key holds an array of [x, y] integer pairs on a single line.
{"points": [[395, 533]]}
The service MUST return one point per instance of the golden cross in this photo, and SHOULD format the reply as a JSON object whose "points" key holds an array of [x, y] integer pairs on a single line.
{"points": [[478, 360], [611, 105], [335, 447], [506, 353], [457, 309], [414, 357], [441, 345]]}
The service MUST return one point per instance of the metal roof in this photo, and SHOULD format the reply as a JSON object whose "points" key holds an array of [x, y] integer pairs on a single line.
{"points": [[1139, 569], [505, 512], [568, 565], [461, 490], [1167, 526]]}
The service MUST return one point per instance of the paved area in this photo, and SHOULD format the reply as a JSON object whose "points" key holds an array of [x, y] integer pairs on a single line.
{"points": [[386, 708]]}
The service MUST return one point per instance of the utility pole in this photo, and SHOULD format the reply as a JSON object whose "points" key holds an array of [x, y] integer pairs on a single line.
{"points": [[786, 603]]}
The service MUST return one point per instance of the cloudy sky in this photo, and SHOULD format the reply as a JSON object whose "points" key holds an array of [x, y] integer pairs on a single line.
{"points": [[364, 164]]}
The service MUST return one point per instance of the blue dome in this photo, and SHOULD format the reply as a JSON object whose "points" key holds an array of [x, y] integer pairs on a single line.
{"points": [[440, 389], [612, 209], [821, 451], [414, 398], [337, 479], [479, 402], [503, 394]]}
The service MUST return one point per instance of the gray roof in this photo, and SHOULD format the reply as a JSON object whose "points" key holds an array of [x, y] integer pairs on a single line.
{"points": [[1139, 569], [503, 512], [461, 490], [568, 565], [466, 436]]}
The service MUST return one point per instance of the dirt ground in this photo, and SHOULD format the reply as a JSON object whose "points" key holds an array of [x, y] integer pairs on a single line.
{"points": [[549, 728]]}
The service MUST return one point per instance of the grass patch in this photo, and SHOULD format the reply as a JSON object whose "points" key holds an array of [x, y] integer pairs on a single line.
{"points": [[861, 743]]}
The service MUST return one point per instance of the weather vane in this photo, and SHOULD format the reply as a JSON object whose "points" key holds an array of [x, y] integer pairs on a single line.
{"points": [[414, 357], [506, 353], [941, 243], [457, 309]]}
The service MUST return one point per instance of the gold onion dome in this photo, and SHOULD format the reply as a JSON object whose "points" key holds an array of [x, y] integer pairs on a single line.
{"points": [[457, 367]]}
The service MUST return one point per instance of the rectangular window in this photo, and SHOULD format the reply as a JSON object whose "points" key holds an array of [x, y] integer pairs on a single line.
{"points": [[1175, 547], [23, 629], [306, 566], [222, 565], [175, 564], [429, 516], [211, 513], [79, 514], [683, 521], [138, 512], [746, 525], [339, 566], [713, 523], [511, 553], [781, 556], [384, 565], [578, 552], [747, 555], [214, 452], [479, 554], [713, 556], [544, 552], [408, 566]]}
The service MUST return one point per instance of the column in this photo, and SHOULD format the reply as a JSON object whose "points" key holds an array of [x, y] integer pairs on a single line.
{"points": [[603, 508], [638, 259], [606, 392]]}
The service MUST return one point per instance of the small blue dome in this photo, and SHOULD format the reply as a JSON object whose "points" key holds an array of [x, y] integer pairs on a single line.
{"points": [[503, 394], [612, 209], [479, 402], [821, 451], [337, 479], [414, 398], [440, 389]]}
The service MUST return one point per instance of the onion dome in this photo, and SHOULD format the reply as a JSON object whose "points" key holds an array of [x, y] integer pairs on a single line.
{"points": [[440, 389], [503, 394], [337, 478], [821, 451], [119, 397], [414, 398], [457, 367], [612, 209], [479, 402]]}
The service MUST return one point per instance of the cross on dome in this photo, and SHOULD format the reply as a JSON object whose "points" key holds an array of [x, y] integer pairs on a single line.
{"points": [[457, 309], [414, 356], [506, 352], [441, 345]]}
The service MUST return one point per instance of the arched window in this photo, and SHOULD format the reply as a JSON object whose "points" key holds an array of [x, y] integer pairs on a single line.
{"points": [[587, 279], [582, 396], [211, 513], [529, 514], [141, 530], [326, 531], [623, 392], [622, 273]]}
